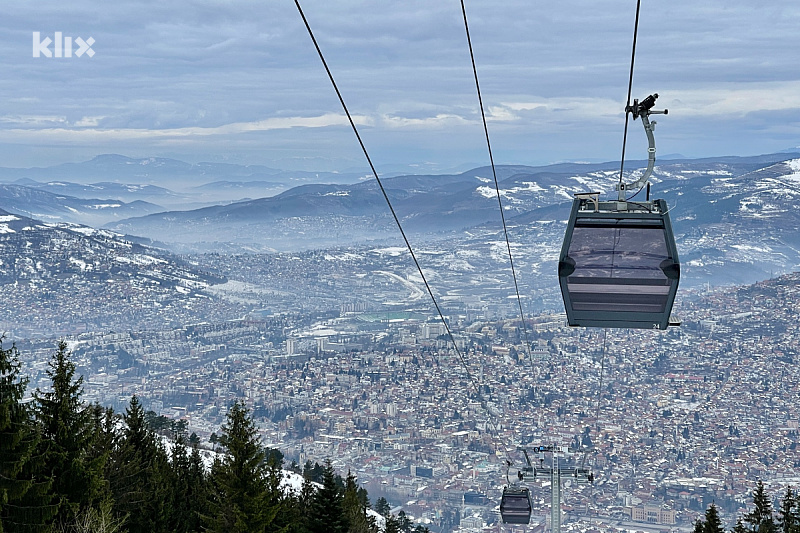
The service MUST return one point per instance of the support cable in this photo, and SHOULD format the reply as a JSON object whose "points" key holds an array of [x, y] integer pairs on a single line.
{"points": [[496, 184], [600, 390], [397, 221], [630, 88]]}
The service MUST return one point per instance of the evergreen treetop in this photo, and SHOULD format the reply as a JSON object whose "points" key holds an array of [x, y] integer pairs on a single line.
{"points": [[239, 498], [68, 433]]}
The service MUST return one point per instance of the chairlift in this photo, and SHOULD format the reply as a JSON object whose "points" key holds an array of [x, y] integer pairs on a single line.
{"points": [[515, 505], [619, 265]]}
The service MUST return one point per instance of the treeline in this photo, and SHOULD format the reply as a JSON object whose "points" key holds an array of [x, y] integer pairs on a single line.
{"points": [[70, 467], [762, 518]]}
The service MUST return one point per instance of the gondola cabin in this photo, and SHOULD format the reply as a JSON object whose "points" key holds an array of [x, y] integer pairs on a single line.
{"points": [[619, 265], [515, 505]]}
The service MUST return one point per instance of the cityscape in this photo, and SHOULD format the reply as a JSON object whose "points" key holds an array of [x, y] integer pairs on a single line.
{"points": [[668, 422]]}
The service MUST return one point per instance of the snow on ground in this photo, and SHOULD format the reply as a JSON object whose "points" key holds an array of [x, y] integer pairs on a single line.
{"points": [[291, 482], [393, 251]]}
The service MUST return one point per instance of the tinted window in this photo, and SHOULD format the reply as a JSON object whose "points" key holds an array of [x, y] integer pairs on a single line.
{"points": [[618, 268]]}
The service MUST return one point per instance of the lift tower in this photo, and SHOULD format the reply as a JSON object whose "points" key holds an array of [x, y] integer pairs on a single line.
{"points": [[557, 473]]}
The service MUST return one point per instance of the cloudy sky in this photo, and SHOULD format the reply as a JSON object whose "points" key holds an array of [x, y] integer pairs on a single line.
{"points": [[239, 81]]}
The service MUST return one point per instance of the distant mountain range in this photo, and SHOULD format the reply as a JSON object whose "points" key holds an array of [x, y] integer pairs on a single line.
{"points": [[170, 183], [734, 217], [38, 203], [163, 171]]}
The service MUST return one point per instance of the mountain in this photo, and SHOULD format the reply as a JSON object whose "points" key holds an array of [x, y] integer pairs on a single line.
{"points": [[126, 192], [41, 204], [705, 194], [166, 172], [55, 274]]}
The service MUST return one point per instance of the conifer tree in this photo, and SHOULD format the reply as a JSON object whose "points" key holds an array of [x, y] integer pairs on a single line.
{"points": [[24, 499], [355, 508], [239, 499], [284, 502], [403, 522], [327, 513], [302, 506], [760, 518], [382, 507], [392, 524], [68, 433], [789, 513], [739, 527], [140, 480], [188, 488], [712, 523]]}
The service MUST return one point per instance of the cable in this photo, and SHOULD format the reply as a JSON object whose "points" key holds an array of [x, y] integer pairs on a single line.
{"points": [[396, 219], [600, 390], [629, 198], [496, 184], [630, 88]]}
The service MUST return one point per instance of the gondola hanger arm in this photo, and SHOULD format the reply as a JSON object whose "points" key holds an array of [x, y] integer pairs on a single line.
{"points": [[643, 110]]}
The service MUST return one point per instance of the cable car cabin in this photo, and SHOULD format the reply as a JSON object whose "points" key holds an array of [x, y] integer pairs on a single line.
{"points": [[515, 505], [619, 264]]}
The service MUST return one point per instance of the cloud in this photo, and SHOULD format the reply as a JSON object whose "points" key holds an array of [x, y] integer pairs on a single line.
{"points": [[441, 120], [32, 120], [122, 134], [737, 100], [558, 72]]}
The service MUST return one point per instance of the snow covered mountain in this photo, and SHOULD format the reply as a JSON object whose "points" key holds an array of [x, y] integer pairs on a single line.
{"points": [[55, 274], [733, 217], [41, 204]]}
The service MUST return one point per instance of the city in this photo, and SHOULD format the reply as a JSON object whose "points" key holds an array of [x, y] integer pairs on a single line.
{"points": [[670, 420]]}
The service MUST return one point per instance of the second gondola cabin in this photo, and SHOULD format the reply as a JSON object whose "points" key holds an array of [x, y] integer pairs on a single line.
{"points": [[515, 505]]}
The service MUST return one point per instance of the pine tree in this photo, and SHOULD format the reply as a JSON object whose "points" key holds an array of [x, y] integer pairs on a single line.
{"points": [[789, 513], [392, 524], [382, 507], [68, 433], [699, 526], [403, 522], [760, 518], [298, 507], [739, 527], [239, 500], [355, 507], [713, 524], [139, 478], [327, 513], [24, 499], [188, 488], [285, 503]]}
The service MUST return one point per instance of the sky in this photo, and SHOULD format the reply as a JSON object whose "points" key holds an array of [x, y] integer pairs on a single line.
{"points": [[240, 81]]}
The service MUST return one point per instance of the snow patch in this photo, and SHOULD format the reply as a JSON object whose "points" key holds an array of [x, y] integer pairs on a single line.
{"points": [[393, 251]]}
